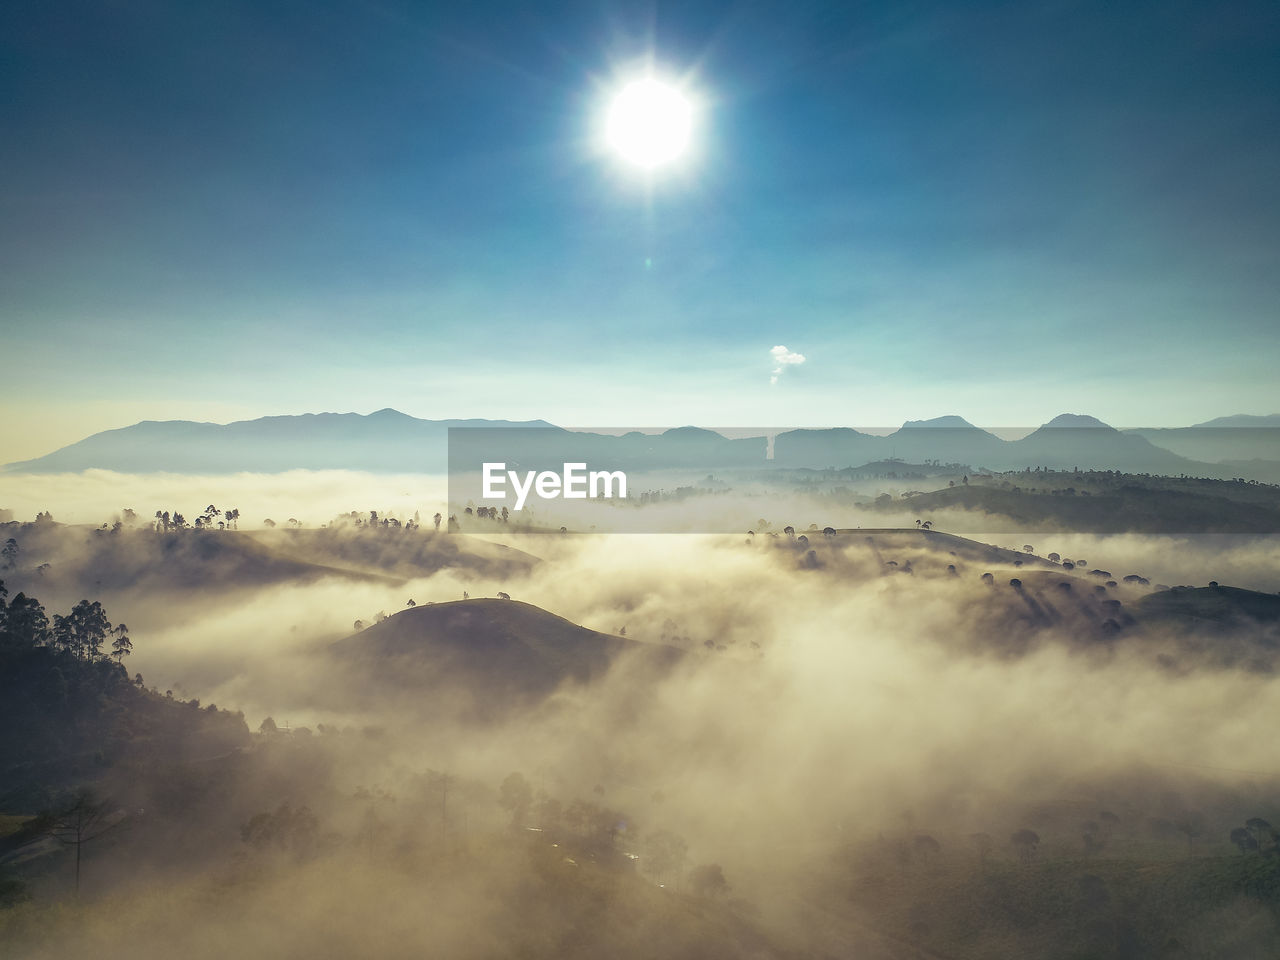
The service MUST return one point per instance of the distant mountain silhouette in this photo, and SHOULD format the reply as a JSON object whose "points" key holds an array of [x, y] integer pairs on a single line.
{"points": [[384, 442], [1068, 440], [392, 442], [1243, 420], [1242, 438], [1074, 440]]}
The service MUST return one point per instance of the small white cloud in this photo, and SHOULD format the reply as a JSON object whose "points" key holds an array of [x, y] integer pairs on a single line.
{"points": [[783, 358]]}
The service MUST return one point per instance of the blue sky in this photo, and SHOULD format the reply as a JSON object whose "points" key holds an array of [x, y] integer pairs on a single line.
{"points": [[1003, 210]]}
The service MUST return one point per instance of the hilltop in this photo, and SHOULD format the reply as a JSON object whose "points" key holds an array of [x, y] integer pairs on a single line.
{"points": [[487, 656]]}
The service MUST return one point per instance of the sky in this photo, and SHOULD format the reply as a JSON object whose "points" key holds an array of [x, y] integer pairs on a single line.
{"points": [[999, 210]]}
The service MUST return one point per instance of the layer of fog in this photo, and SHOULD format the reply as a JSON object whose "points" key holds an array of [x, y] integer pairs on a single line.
{"points": [[311, 496], [836, 703], [833, 705]]}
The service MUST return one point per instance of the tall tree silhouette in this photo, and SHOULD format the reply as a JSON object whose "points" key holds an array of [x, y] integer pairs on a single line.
{"points": [[84, 820]]}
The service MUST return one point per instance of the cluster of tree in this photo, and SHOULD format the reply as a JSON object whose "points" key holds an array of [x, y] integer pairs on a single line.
{"points": [[288, 830], [373, 521], [206, 520], [1256, 836], [67, 699], [483, 513], [84, 633]]}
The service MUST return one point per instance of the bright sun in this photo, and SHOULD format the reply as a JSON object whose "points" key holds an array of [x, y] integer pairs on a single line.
{"points": [[649, 123]]}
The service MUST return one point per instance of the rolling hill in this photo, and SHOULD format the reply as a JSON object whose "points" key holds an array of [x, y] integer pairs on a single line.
{"points": [[485, 658]]}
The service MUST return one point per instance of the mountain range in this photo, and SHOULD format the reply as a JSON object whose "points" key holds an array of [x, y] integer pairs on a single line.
{"points": [[392, 442]]}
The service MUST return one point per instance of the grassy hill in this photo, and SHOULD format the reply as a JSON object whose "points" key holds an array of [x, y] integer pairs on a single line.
{"points": [[486, 657]]}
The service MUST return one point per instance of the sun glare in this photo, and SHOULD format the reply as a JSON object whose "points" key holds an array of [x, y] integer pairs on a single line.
{"points": [[649, 124]]}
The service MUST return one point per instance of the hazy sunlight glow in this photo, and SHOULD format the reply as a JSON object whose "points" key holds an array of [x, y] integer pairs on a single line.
{"points": [[649, 123]]}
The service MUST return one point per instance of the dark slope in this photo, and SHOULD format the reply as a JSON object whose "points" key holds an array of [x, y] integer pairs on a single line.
{"points": [[1129, 507], [397, 552], [83, 561], [1222, 606], [484, 657]]}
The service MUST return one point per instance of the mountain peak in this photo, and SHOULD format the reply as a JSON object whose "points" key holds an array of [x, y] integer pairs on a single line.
{"points": [[1078, 420], [951, 421]]}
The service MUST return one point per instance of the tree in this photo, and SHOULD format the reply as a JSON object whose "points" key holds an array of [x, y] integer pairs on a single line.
{"points": [[1025, 842], [926, 846], [84, 820], [83, 631], [436, 520], [708, 881], [9, 555], [26, 624], [122, 646], [514, 796], [285, 829], [1260, 829], [1243, 839]]}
